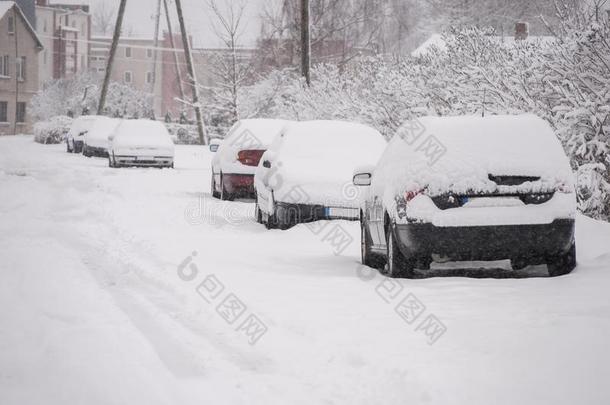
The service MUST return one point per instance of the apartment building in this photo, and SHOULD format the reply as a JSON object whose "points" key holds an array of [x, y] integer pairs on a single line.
{"points": [[19, 49], [134, 64], [65, 32]]}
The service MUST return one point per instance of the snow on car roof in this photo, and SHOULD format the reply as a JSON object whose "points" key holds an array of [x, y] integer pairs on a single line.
{"points": [[101, 128], [326, 137], [461, 152], [142, 132], [327, 150], [258, 131]]}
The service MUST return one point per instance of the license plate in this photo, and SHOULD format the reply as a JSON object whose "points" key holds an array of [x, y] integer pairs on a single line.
{"points": [[338, 212], [145, 158]]}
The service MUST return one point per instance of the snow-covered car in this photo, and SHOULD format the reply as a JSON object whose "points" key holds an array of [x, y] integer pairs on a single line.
{"points": [[95, 142], [469, 189], [140, 142], [238, 155], [76, 135], [306, 174]]}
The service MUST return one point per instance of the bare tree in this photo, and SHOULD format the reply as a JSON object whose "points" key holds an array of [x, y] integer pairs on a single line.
{"points": [[103, 17], [231, 67]]}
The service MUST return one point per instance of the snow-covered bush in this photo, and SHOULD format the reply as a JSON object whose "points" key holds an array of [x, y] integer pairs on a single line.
{"points": [[52, 131], [80, 94], [183, 134]]}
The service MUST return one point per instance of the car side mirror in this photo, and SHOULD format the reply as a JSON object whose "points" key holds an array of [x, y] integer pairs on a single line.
{"points": [[267, 164], [214, 147], [110, 137], [362, 179], [81, 133]]}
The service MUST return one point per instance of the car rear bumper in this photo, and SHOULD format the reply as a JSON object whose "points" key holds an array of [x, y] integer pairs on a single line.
{"points": [[239, 184], [486, 242], [96, 151], [156, 161], [303, 213]]}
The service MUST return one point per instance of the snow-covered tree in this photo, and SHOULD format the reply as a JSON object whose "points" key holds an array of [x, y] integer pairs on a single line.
{"points": [[80, 94]]}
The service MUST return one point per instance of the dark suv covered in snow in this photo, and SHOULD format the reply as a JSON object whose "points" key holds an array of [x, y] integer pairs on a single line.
{"points": [[469, 189]]}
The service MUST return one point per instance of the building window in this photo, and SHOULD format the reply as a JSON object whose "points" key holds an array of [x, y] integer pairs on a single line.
{"points": [[149, 53], [3, 111], [20, 111], [128, 52], [149, 77], [83, 29], [127, 77], [4, 66], [11, 24], [44, 24], [101, 70], [20, 68], [44, 57]]}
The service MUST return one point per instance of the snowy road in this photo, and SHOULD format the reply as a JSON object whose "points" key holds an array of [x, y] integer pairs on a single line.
{"points": [[99, 303]]}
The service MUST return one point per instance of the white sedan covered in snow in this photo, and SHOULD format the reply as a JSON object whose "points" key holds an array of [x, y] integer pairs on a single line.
{"points": [[95, 141], [238, 155], [141, 142], [470, 189], [306, 175]]}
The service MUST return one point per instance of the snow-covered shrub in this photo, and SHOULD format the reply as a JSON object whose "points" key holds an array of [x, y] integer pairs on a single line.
{"points": [[52, 131], [183, 134], [80, 93]]}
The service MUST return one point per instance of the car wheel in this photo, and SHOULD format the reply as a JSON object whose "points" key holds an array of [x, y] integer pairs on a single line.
{"points": [[85, 151], [397, 264], [215, 193], [518, 263], [224, 194], [110, 163], [68, 147], [258, 215], [562, 264], [368, 258]]}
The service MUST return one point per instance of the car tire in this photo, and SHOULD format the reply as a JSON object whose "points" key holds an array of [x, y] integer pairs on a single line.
{"points": [[397, 265], [258, 215], [215, 194], [518, 264], [110, 163], [68, 147], [224, 194], [85, 151], [368, 257], [562, 264]]}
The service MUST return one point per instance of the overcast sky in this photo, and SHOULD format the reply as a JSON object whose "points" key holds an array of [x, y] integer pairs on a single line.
{"points": [[139, 19]]}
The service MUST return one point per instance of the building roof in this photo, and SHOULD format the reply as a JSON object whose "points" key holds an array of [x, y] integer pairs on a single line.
{"points": [[5, 6]]}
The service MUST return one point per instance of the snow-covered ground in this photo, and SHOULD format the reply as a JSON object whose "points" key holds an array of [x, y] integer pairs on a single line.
{"points": [[99, 303]]}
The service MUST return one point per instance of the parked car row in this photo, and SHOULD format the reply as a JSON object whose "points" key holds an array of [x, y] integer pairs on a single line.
{"points": [[137, 142], [443, 189]]}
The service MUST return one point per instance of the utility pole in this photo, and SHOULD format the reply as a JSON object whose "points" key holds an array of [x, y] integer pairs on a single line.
{"points": [[155, 53], [115, 41], [191, 72], [305, 42], [173, 45]]}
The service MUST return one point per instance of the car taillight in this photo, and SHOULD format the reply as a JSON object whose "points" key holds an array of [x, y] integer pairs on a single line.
{"points": [[409, 195], [401, 202], [250, 157]]}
